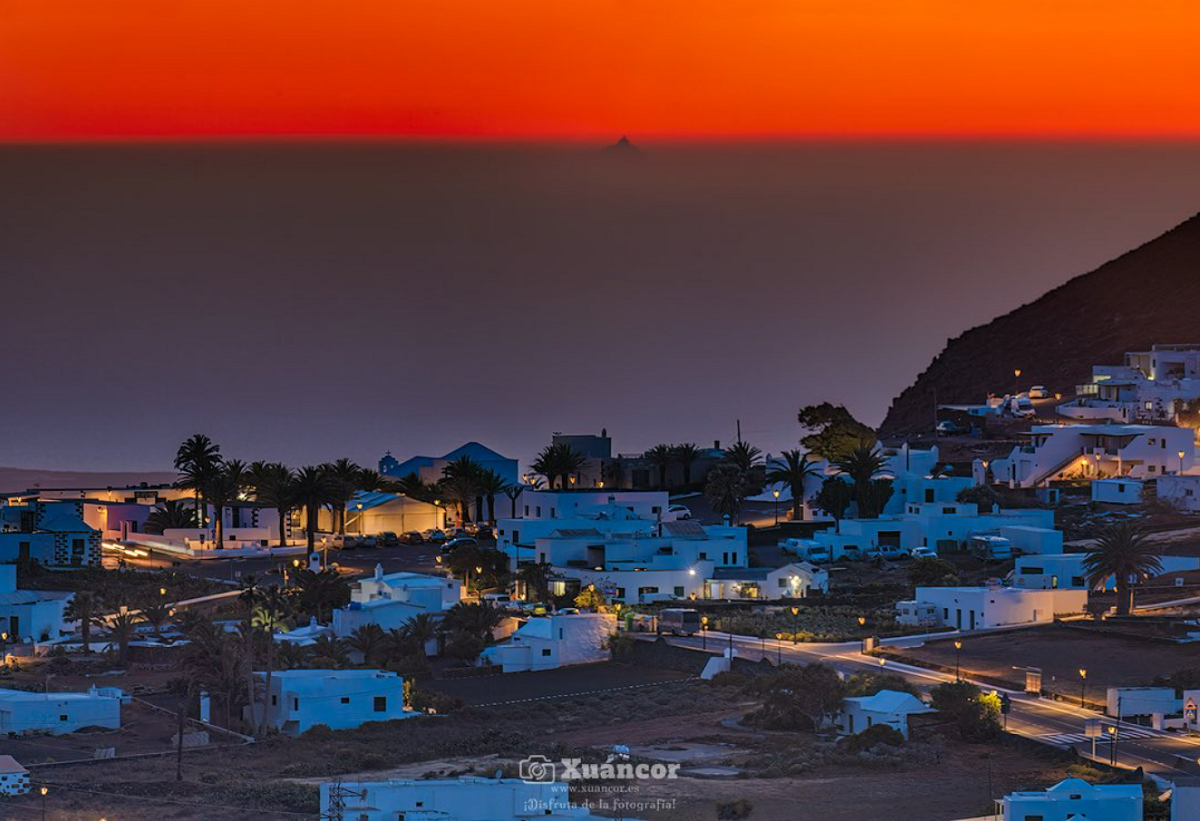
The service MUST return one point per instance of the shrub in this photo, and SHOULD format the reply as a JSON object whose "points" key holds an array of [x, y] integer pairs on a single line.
{"points": [[868, 684], [620, 645], [932, 573], [425, 700], [734, 810], [874, 735], [977, 714]]}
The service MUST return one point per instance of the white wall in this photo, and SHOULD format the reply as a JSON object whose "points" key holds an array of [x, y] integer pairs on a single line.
{"points": [[44, 712], [340, 699], [468, 799]]}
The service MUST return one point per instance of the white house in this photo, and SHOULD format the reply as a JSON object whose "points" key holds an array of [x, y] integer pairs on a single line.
{"points": [[671, 562], [1117, 491], [975, 608], [1049, 571], [610, 512], [1027, 540], [60, 713], [14, 779], [792, 581], [890, 707], [30, 615], [544, 643], [1180, 490], [391, 600], [53, 533], [1094, 451], [464, 799], [942, 526], [1153, 385], [340, 699], [1074, 799]]}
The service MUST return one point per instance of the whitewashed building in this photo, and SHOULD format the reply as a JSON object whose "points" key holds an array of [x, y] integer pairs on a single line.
{"points": [[1095, 452], [791, 581], [888, 707], [390, 600], [30, 615], [14, 779], [378, 512], [1117, 491], [1153, 385], [976, 608], [547, 642], [1074, 799], [463, 799], [1182, 491], [298, 700], [60, 713]]}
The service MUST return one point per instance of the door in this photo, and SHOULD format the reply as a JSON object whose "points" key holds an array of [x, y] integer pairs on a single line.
{"points": [[972, 619], [958, 618]]}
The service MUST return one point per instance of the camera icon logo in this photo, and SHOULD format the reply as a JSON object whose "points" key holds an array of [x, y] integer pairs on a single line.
{"points": [[537, 769]]}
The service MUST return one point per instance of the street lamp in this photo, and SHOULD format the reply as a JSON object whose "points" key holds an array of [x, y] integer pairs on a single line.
{"points": [[795, 624], [1083, 687], [862, 621], [957, 660], [704, 632], [1016, 376], [43, 790], [775, 493], [1181, 461]]}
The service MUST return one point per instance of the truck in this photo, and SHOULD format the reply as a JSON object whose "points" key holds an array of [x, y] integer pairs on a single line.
{"points": [[679, 621], [990, 548]]}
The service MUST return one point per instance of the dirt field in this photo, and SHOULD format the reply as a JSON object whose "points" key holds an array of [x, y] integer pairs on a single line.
{"points": [[1110, 661], [276, 778]]}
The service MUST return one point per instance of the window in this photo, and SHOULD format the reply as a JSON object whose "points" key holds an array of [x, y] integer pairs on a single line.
{"points": [[345, 699], [948, 511], [929, 494], [1189, 492], [679, 592], [274, 700], [782, 582], [381, 704], [1152, 468], [656, 510], [62, 718], [704, 556], [295, 703], [539, 511], [1034, 571], [526, 510], [1077, 581], [545, 651]]}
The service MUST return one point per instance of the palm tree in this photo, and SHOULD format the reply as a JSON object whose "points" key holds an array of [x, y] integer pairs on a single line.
{"points": [[661, 456], [197, 460], [475, 619], [215, 662], [462, 484], [344, 476], [513, 492], [369, 641], [536, 577], [420, 630], [492, 484], [121, 628], [328, 651], [225, 486], [544, 465], [171, 514], [1122, 551], [413, 487], [726, 489], [319, 592], [792, 470], [862, 465], [744, 455], [155, 611], [558, 461], [82, 608], [686, 455], [570, 462], [313, 489], [271, 483]]}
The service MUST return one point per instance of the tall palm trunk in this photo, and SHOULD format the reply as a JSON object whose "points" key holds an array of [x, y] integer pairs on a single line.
{"points": [[283, 527], [219, 513], [310, 526]]}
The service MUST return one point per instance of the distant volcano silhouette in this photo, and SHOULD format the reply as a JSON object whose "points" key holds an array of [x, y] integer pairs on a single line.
{"points": [[623, 146]]}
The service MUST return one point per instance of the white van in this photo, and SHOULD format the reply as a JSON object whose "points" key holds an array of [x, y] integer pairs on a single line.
{"points": [[991, 548]]}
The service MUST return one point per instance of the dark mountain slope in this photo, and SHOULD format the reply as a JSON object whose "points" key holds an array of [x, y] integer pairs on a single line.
{"points": [[1146, 296]]}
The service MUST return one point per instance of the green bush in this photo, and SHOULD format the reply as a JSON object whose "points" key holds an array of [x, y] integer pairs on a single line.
{"points": [[874, 735]]}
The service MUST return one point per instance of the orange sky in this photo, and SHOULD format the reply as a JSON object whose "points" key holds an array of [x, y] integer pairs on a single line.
{"points": [[83, 69]]}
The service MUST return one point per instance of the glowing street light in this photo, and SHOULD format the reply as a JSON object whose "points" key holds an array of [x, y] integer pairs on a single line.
{"points": [[795, 625], [775, 493], [958, 660], [1181, 461], [1083, 687], [704, 632]]}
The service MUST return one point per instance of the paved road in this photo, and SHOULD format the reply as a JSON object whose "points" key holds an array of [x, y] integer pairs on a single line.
{"points": [[1051, 722]]}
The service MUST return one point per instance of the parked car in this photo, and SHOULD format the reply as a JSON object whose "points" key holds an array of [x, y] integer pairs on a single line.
{"points": [[532, 608], [389, 539], [501, 600], [412, 537], [1039, 392], [679, 621], [462, 541], [434, 535], [923, 553], [680, 512], [484, 532], [457, 533], [368, 541], [948, 427]]}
